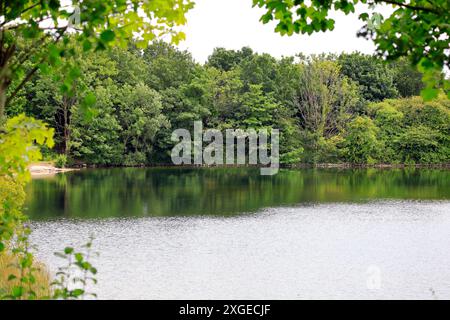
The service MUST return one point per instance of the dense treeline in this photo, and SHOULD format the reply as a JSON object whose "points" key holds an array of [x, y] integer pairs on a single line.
{"points": [[347, 108]]}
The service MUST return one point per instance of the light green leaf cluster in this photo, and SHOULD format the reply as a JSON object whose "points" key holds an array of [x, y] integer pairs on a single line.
{"points": [[18, 145]]}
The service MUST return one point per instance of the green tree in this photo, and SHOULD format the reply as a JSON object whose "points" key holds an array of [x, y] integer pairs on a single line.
{"points": [[324, 98], [140, 119], [97, 140], [390, 120], [43, 99], [260, 70], [129, 64], [226, 60], [18, 148], [257, 110], [288, 76], [325, 101], [184, 100], [420, 145], [168, 67], [375, 78], [226, 98]]}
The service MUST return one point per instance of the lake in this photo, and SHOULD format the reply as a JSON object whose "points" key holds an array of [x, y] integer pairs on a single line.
{"points": [[229, 233]]}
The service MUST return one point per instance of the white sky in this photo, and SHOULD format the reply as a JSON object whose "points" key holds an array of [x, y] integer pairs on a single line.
{"points": [[233, 24]]}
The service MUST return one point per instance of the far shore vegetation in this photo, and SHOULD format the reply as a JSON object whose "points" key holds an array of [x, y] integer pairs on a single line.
{"points": [[342, 109]]}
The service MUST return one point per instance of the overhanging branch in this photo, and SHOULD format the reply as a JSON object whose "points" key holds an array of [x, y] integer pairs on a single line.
{"points": [[409, 6]]}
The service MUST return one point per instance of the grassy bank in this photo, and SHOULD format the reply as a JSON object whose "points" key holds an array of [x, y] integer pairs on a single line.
{"points": [[8, 267]]}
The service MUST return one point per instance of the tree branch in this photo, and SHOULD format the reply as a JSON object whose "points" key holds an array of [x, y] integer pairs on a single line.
{"points": [[22, 12], [409, 6], [30, 73]]}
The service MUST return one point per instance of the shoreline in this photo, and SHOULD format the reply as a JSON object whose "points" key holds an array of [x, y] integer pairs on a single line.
{"points": [[292, 166], [367, 166], [45, 169]]}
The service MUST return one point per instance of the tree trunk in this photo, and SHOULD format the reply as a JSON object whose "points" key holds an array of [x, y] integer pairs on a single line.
{"points": [[5, 80], [4, 83], [2, 106], [67, 103]]}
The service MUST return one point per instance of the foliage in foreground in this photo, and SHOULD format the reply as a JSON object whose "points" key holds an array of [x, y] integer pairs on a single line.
{"points": [[47, 26], [21, 277], [73, 279], [416, 29]]}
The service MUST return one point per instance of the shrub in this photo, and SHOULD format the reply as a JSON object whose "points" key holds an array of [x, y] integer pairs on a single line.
{"points": [[292, 157], [412, 130], [61, 161], [420, 145], [135, 159], [72, 279]]}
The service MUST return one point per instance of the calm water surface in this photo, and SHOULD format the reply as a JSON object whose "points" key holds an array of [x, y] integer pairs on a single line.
{"points": [[232, 234]]}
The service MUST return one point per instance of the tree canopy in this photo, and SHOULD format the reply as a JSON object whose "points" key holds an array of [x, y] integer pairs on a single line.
{"points": [[323, 105]]}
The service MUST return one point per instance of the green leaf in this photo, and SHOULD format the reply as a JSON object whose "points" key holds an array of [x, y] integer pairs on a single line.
{"points": [[364, 16], [77, 292], [79, 257], [54, 4], [267, 17], [429, 93], [107, 36], [68, 250], [11, 277], [17, 292], [330, 24], [87, 45], [425, 64]]}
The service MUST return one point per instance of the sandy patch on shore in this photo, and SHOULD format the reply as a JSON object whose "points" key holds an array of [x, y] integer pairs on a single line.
{"points": [[44, 169]]}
